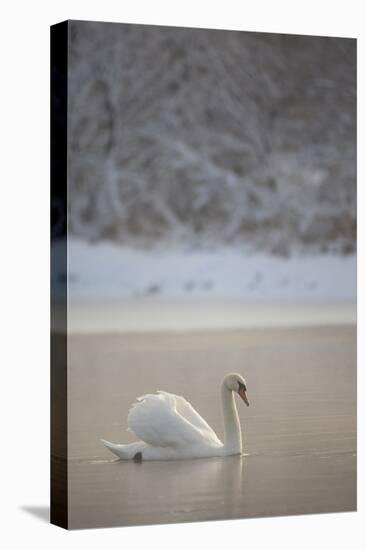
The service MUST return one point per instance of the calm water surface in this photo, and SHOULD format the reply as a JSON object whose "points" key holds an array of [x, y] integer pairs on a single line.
{"points": [[299, 433]]}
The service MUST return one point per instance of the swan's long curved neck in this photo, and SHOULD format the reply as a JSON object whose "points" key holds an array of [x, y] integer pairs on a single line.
{"points": [[232, 430]]}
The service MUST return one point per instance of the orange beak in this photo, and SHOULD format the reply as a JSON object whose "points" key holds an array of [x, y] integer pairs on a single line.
{"points": [[243, 395]]}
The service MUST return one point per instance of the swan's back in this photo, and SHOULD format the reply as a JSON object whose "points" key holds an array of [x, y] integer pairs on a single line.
{"points": [[167, 420]]}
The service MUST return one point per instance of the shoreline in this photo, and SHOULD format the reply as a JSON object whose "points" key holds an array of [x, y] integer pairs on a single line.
{"points": [[156, 316]]}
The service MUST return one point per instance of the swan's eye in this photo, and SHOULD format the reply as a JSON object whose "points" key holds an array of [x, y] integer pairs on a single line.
{"points": [[242, 386]]}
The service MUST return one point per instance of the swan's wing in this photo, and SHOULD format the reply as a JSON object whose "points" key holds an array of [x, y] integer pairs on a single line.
{"points": [[185, 409], [154, 419]]}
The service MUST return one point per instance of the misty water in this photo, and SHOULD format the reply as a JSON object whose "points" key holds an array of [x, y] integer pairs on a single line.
{"points": [[299, 432]]}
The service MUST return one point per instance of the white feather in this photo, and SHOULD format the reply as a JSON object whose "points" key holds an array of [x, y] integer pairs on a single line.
{"points": [[170, 428], [168, 420]]}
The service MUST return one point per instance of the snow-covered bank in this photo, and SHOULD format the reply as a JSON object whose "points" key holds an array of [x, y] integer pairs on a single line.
{"points": [[106, 272], [151, 316]]}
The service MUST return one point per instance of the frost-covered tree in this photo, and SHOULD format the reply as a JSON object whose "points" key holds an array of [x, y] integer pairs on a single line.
{"points": [[203, 137]]}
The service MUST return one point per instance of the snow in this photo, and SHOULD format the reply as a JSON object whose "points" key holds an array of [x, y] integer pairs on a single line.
{"points": [[148, 316], [212, 137], [106, 271], [211, 178]]}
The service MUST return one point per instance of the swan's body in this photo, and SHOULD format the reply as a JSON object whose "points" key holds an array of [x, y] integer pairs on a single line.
{"points": [[170, 428]]}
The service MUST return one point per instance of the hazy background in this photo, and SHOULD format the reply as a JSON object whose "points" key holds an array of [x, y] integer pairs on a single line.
{"points": [[211, 187], [214, 164]]}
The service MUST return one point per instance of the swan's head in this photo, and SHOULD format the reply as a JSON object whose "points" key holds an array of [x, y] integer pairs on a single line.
{"points": [[235, 382]]}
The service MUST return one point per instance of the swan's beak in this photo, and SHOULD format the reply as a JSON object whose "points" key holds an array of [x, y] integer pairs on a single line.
{"points": [[243, 395]]}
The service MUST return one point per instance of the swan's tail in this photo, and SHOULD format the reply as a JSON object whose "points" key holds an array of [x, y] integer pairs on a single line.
{"points": [[124, 452], [111, 446]]}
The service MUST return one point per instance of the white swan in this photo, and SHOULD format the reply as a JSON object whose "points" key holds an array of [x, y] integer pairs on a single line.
{"points": [[170, 428]]}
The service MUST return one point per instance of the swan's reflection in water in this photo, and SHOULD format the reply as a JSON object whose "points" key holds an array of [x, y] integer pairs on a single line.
{"points": [[125, 493], [192, 486], [109, 493]]}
